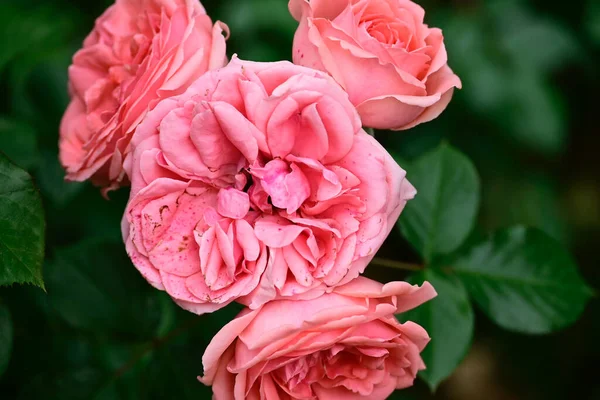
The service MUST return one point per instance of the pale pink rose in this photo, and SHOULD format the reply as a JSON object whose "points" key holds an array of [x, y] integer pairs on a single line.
{"points": [[393, 66], [343, 345], [258, 183], [139, 52]]}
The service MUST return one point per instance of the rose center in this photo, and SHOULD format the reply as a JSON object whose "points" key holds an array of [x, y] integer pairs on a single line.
{"points": [[382, 31], [350, 367], [285, 185]]}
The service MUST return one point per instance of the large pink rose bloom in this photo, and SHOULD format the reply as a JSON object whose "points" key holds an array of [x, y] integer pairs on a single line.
{"points": [[140, 52], [393, 66], [258, 183], [343, 345]]}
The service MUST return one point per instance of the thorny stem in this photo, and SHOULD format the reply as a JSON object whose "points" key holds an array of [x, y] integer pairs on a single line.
{"points": [[384, 262]]}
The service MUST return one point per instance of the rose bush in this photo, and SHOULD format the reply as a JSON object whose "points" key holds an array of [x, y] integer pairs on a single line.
{"points": [[393, 66], [343, 345], [140, 51], [257, 183]]}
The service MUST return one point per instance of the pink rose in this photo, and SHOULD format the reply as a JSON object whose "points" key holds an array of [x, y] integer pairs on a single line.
{"points": [[343, 345], [140, 52], [255, 184], [393, 66]]}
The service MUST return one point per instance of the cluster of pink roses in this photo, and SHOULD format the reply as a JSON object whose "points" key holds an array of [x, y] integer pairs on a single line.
{"points": [[256, 183]]}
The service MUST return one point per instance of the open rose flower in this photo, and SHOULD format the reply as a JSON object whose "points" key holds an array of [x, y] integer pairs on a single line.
{"points": [[343, 345], [393, 66], [258, 183], [140, 51]]}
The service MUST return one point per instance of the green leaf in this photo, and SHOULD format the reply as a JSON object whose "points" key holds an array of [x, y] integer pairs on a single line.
{"points": [[449, 321], [524, 280], [93, 286], [21, 227], [6, 337], [442, 214]]}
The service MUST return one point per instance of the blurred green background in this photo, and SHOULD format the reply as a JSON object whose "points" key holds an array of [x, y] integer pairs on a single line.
{"points": [[527, 117]]}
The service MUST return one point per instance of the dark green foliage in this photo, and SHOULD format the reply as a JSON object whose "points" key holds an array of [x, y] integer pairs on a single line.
{"points": [[524, 281], [21, 227], [443, 213], [521, 278], [523, 141]]}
